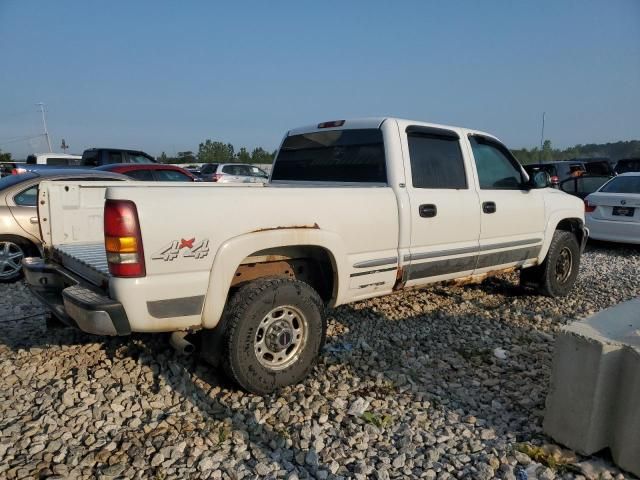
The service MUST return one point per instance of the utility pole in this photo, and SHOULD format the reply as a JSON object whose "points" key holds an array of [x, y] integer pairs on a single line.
{"points": [[44, 124], [542, 138]]}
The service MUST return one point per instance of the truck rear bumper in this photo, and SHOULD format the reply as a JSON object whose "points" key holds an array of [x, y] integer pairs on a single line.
{"points": [[74, 301]]}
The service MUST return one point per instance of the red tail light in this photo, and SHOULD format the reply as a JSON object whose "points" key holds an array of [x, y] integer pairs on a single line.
{"points": [[123, 240], [588, 208], [17, 171], [555, 180], [216, 177]]}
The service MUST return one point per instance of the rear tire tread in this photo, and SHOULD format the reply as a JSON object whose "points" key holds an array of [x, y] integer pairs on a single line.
{"points": [[233, 319]]}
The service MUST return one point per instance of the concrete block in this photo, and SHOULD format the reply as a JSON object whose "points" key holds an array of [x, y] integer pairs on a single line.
{"points": [[594, 398]]}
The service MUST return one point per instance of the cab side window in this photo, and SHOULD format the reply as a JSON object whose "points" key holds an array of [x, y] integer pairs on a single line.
{"points": [[497, 169], [436, 160]]}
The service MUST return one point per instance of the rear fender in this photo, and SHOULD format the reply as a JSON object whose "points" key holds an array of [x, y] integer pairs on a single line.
{"points": [[231, 254]]}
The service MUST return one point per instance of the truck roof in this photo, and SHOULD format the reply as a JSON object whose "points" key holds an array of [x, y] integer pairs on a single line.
{"points": [[376, 122]]}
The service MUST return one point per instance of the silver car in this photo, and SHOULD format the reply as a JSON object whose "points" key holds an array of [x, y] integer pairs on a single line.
{"points": [[19, 228], [232, 173]]}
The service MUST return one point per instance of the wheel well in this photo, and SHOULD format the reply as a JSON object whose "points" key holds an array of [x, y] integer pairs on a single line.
{"points": [[30, 247], [308, 263], [573, 225]]}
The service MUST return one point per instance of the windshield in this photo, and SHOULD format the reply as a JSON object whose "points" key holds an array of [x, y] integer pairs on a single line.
{"points": [[11, 180], [623, 185], [332, 156]]}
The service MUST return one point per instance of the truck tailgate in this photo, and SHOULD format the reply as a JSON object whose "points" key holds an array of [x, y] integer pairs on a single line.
{"points": [[71, 222], [88, 260]]}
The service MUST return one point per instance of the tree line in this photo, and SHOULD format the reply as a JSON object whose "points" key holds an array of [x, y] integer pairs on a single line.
{"points": [[220, 152], [613, 151]]}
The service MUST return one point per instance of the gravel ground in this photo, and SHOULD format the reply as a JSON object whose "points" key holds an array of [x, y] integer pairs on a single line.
{"points": [[449, 382]]}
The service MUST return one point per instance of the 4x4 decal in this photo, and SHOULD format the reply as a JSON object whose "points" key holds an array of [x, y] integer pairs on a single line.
{"points": [[184, 249]]}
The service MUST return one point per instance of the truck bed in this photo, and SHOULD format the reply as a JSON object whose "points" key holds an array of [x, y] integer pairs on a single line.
{"points": [[88, 260]]}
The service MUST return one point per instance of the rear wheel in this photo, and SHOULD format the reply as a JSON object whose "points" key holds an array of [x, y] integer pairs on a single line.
{"points": [[557, 274], [12, 251], [273, 332]]}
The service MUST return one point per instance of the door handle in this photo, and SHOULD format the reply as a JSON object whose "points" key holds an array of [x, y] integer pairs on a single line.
{"points": [[428, 210], [489, 207], [33, 219]]}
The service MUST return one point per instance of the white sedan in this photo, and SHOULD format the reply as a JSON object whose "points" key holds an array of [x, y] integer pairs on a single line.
{"points": [[613, 211]]}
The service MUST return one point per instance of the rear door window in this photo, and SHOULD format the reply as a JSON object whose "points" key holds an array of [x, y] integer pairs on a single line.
{"points": [[345, 156], [138, 158], [28, 197], [436, 161], [114, 157], [144, 175], [171, 176]]}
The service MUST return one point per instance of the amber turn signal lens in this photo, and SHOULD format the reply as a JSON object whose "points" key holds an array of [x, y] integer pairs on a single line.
{"points": [[121, 244]]}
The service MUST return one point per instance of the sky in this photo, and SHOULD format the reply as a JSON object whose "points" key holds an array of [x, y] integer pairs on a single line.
{"points": [[166, 75]]}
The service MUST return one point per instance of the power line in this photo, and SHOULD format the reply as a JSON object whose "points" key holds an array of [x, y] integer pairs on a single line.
{"points": [[22, 139]]}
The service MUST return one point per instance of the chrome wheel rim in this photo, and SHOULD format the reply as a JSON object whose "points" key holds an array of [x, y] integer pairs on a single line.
{"points": [[564, 265], [11, 256], [280, 337]]}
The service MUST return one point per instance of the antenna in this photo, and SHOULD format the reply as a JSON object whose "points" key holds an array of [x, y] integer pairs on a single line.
{"points": [[542, 138], [44, 124]]}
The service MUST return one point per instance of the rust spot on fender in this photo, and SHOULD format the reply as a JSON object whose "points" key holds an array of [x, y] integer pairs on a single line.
{"points": [[314, 226]]}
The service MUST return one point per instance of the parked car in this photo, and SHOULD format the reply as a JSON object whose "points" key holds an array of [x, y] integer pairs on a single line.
{"points": [[92, 157], [19, 229], [562, 170], [613, 212], [7, 168], [233, 173], [354, 209], [583, 185], [55, 159], [628, 165], [157, 172]]}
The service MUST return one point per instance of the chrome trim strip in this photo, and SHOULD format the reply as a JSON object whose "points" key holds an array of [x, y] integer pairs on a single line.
{"points": [[376, 263], [441, 253], [516, 243], [371, 272], [460, 251]]}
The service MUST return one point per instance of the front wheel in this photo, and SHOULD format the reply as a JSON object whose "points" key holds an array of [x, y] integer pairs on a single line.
{"points": [[274, 330], [557, 274]]}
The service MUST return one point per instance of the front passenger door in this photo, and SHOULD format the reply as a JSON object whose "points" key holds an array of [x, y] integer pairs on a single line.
{"points": [[512, 216]]}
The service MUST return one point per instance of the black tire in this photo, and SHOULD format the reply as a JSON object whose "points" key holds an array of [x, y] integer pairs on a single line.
{"points": [[10, 246], [556, 276], [264, 316]]}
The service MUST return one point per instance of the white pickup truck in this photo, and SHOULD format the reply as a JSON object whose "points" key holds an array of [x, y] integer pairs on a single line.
{"points": [[353, 209]]}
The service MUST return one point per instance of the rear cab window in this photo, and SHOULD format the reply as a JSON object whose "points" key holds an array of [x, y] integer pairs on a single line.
{"points": [[623, 184], [332, 156]]}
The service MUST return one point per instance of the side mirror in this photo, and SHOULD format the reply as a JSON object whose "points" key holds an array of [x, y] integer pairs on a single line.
{"points": [[540, 179]]}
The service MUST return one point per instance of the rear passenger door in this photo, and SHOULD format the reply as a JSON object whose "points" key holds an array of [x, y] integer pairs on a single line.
{"points": [[513, 216], [445, 211]]}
